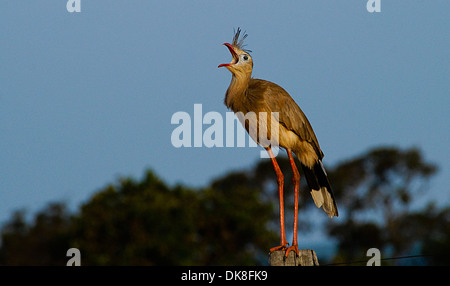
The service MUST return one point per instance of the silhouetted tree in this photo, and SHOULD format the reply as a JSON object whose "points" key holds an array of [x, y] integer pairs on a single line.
{"points": [[234, 220], [148, 223], [375, 192], [435, 235], [43, 242]]}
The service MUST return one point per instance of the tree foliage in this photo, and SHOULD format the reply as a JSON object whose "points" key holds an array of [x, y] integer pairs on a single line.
{"points": [[44, 241], [234, 220], [376, 191]]}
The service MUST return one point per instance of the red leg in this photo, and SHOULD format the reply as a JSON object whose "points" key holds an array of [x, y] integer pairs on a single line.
{"points": [[280, 181], [296, 181]]}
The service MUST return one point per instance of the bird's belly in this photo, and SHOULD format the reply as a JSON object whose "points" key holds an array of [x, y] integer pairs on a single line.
{"points": [[265, 129], [303, 149], [262, 127]]}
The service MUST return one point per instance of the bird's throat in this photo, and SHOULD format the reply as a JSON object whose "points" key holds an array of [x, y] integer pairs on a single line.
{"points": [[237, 90]]}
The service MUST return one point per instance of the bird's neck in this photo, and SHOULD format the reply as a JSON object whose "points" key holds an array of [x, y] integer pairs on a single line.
{"points": [[237, 89]]}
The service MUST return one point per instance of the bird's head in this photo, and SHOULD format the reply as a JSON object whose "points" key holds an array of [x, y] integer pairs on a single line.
{"points": [[242, 62]]}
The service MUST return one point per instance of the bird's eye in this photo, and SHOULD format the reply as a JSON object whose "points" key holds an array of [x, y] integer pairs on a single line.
{"points": [[245, 57]]}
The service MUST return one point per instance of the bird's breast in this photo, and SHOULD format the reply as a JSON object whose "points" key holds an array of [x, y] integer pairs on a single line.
{"points": [[263, 126]]}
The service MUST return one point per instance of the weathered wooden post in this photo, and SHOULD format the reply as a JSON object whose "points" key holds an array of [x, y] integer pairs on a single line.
{"points": [[307, 257]]}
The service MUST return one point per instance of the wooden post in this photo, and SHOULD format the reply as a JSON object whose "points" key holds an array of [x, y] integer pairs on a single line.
{"points": [[307, 257]]}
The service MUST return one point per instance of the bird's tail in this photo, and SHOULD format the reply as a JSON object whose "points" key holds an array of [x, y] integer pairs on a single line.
{"points": [[320, 188]]}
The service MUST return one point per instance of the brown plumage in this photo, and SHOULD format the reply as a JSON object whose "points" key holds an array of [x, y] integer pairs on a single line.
{"points": [[294, 132]]}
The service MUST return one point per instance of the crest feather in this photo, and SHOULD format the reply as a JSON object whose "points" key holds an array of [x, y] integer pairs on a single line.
{"points": [[239, 43]]}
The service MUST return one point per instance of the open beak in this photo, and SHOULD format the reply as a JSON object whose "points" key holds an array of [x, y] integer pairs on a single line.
{"points": [[233, 53]]}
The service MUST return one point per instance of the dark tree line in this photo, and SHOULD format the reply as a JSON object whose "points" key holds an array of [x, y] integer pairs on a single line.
{"points": [[234, 220]]}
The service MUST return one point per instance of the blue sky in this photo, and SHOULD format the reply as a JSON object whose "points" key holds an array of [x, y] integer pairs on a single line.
{"points": [[88, 97]]}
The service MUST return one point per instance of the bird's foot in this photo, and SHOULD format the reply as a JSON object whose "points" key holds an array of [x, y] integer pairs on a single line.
{"points": [[292, 248], [281, 247]]}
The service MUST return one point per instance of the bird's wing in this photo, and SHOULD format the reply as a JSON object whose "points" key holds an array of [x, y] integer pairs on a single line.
{"points": [[290, 114]]}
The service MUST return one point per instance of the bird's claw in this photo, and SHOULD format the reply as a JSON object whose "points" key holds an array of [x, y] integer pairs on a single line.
{"points": [[281, 247], [286, 249], [292, 248]]}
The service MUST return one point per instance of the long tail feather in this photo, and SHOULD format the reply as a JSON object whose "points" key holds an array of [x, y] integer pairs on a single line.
{"points": [[321, 191]]}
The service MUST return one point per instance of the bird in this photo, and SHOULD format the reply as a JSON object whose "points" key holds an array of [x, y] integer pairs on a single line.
{"points": [[295, 134]]}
